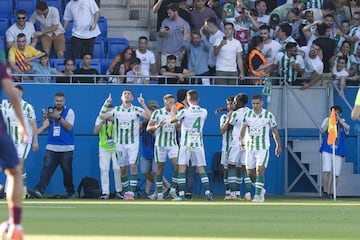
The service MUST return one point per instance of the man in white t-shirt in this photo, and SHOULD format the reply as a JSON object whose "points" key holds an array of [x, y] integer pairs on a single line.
{"points": [[215, 33], [260, 7], [340, 73], [85, 15], [314, 66], [228, 52], [146, 57], [20, 26], [271, 47]]}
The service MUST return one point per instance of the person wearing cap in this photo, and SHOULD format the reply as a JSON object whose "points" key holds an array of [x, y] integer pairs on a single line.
{"points": [[343, 129], [107, 154]]}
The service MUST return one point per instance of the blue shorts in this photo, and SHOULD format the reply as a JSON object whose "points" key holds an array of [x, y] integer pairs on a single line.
{"points": [[8, 154]]}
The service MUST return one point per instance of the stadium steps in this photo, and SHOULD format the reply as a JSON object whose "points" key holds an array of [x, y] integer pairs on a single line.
{"points": [[349, 183]]}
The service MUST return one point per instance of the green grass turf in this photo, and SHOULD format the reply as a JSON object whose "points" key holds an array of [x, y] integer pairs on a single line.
{"points": [[277, 218]]}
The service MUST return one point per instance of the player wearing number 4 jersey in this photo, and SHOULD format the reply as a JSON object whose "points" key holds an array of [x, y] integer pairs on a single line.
{"points": [[191, 143], [126, 118], [165, 143], [257, 122]]}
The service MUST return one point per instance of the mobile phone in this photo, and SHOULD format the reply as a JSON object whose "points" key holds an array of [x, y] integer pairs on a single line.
{"points": [[224, 38], [167, 28]]}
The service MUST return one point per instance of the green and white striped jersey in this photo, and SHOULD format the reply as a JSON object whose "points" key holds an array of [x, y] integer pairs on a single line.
{"points": [[314, 4], [192, 123], [285, 68], [166, 134], [354, 31], [258, 127], [12, 122], [236, 121], [127, 124], [226, 136]]}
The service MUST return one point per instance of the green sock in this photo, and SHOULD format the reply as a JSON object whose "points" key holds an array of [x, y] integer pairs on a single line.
{"points": [[259, 184], [159, 183], [205, 181], [247, 181], [181, 181], [226, 181], [125, 183], [174, 180], [133, 182], [232, 179]]}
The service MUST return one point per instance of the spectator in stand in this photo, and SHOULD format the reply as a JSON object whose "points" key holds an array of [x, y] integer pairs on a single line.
{"points": [[271, 47], [172, 31], [284, 35], [85, 15], [43, 68], [327, 46], [229, 10], [21, 26], [147, 57], [355, 63], [175, 75], [344, 30], [228, 52], [347, 11], [294, 18], [199, 14], [69, 64], [198, 52], [160, 7], [124, 58], [340, 73], [216, 6], [314, 4], [314, 66], [244, 26], [86, 70], [290, 63], [257, 62], [354, 35], [309, 16], [283, 9], [215, 33], [21, 55], [260, 7], [134, 76], [52, 32], [320, 13], [345, 52]]}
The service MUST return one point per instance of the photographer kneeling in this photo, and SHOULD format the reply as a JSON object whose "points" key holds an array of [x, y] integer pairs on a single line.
{"points": [[60, 146]]}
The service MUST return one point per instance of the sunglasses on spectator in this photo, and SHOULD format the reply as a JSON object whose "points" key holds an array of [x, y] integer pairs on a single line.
{"points": [[21, 18]]}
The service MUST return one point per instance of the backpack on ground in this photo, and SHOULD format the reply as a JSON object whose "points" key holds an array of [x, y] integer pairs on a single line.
{"points": [[90, 186]]}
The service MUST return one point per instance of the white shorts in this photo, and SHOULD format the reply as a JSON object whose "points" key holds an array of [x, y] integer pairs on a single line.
{"points": [[327, 163], [256, 158], [197, 156], [161, 153], [127, 154], [224, 159], [23, 150], [236, 156]]}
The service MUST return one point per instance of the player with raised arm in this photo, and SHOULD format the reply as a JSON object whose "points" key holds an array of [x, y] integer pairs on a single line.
{"points": [[191, 142], [257, 124], [165, 143], [126, 118]]}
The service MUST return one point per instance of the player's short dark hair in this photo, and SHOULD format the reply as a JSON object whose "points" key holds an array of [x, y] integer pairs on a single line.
{"points": [[193, 95], [127, 90], [336, 107], [18, 86], [41, 5], [290, 45], [256, 96], [242, 97], [59, 94], [167, 96], [211, 20], [21, 11], [181, 94], [230, 24]]}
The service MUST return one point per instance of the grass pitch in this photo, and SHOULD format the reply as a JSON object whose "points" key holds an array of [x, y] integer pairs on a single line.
{"points": [[277, 218]]}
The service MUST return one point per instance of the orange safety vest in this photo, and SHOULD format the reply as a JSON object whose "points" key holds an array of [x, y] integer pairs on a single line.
{"points": [[252, 54]]}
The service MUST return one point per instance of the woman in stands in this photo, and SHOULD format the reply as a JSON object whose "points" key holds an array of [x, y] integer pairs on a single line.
{"points": [[125, 57]]}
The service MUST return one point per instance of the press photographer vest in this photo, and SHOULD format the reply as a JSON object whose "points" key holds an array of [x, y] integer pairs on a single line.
{"points": [[66, 137]]}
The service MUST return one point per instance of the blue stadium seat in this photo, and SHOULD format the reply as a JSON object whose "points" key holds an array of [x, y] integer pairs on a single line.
{"points": [[27, 5], [57, 63], [4, 24], [115, 46], [7, 8], [57, 4], [103, 27], [105, 63], [99, 49]]}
